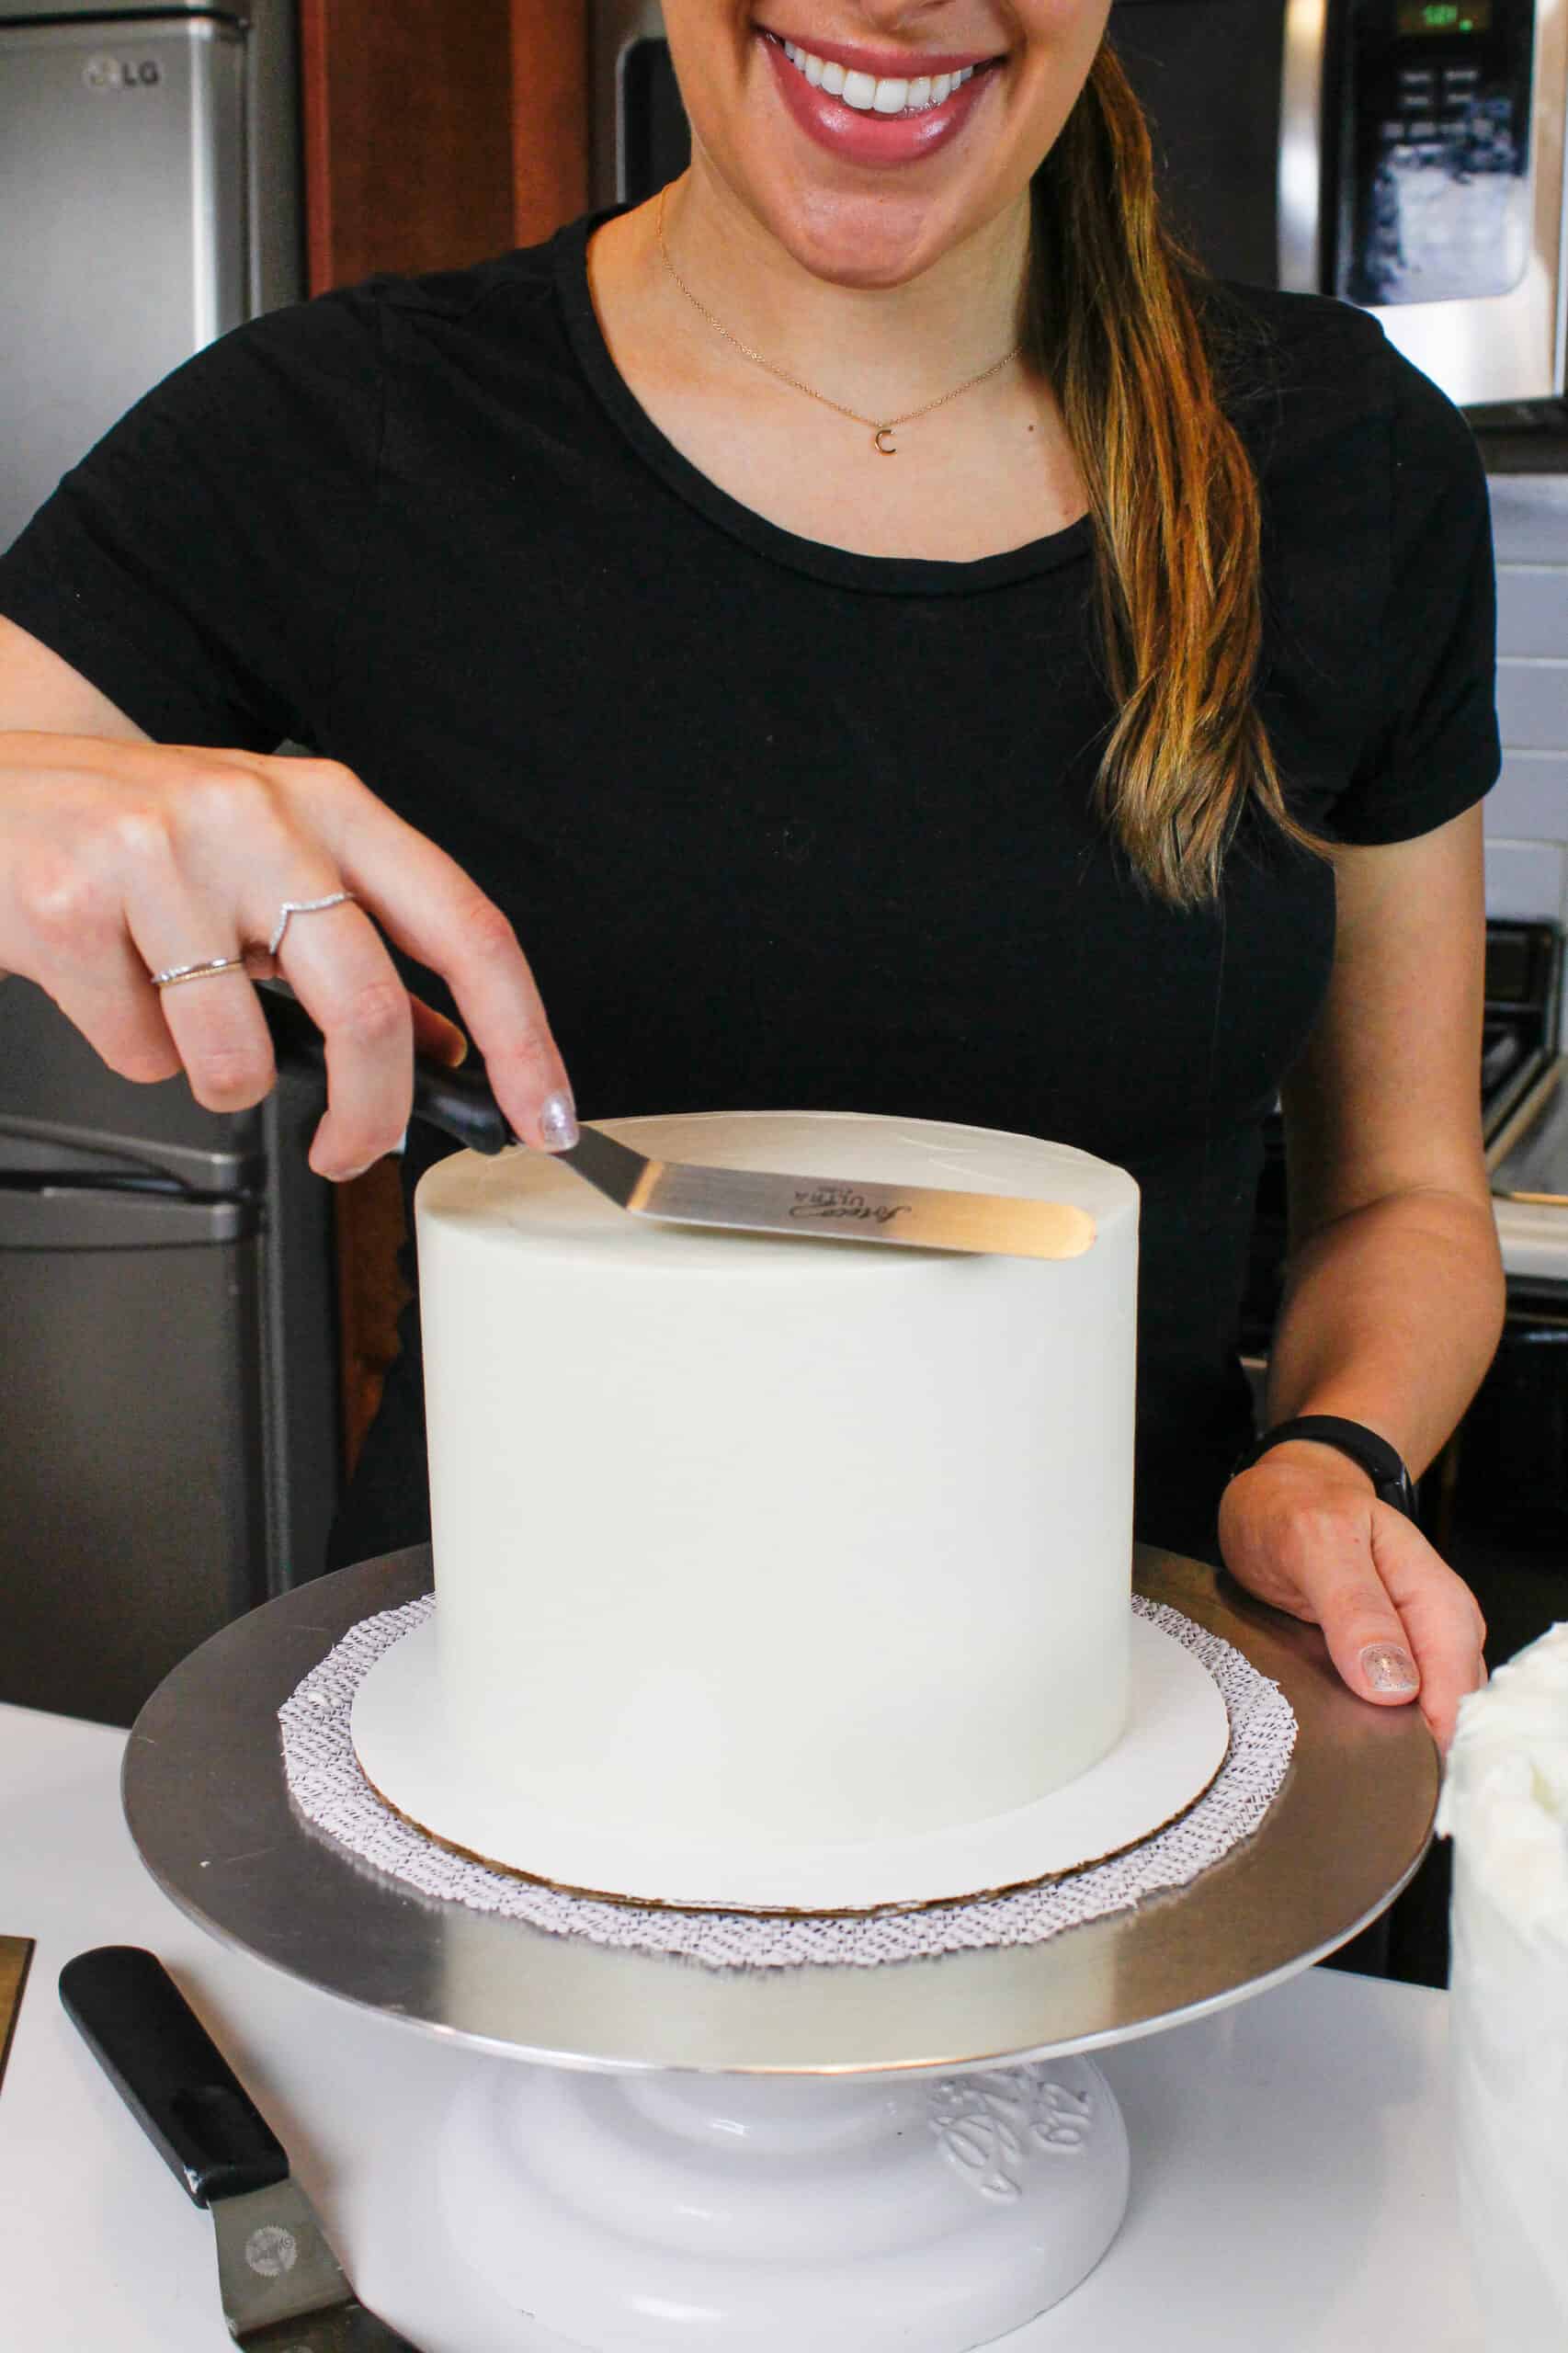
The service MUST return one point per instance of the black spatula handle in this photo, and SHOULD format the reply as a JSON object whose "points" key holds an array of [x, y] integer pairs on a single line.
{"points": [[170, 2074], [458, 1102]]}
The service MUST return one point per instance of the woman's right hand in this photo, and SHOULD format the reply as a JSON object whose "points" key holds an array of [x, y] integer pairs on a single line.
{"points": [[120, 859]]}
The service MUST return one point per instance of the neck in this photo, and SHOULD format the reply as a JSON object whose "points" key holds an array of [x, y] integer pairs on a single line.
{"points": [[888, 345]]}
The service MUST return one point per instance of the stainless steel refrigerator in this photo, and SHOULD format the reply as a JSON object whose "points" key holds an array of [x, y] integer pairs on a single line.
{"points": [[168, 1387]]}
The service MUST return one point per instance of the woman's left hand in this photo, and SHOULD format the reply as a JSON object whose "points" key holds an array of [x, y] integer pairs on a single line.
{"points": [[1303, 1529]]}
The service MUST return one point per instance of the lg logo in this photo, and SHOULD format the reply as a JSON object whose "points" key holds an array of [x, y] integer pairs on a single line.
{"points": [[119, 73]]}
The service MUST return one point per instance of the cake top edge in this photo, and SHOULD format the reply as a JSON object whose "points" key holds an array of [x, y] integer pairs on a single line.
{"points": [[527, 1195]]}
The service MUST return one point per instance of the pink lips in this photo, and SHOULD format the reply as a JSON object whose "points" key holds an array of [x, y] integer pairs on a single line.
{"points": [[875, 139]]}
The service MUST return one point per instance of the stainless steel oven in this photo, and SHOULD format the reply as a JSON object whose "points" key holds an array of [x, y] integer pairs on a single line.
{"points": [[1406, 155]]}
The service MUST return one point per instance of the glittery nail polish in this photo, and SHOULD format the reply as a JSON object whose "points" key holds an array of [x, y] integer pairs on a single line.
{"points": [[558, 1123], [1387, 1667]]}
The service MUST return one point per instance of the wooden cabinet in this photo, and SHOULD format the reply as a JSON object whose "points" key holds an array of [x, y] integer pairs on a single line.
{"points": [[436, 133]]}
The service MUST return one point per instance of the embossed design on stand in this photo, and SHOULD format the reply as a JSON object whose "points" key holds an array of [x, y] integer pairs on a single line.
{"points": [[990, 2127]]}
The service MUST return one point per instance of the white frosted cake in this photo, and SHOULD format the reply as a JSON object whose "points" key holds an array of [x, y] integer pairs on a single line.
{"points": [[776, 1543], [1505, 1804]]}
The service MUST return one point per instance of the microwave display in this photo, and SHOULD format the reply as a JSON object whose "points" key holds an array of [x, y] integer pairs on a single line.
{"points": [[1434, 195], [1436, 17]]}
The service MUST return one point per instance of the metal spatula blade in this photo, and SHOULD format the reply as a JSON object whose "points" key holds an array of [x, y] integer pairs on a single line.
{"points": [[828, 1209], [282, 2286], [743, 1200]]}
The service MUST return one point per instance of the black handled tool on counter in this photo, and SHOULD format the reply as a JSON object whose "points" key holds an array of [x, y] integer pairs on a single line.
{"points": [[282, 2284]]}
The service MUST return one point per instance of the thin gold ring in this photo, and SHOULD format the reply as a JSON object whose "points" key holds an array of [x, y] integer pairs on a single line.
{"points": [[178, 973]]}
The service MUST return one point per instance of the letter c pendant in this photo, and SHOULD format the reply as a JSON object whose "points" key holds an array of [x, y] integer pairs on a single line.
{"points": [[888, 448]]}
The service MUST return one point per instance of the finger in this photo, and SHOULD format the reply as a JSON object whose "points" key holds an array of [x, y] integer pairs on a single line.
{"points": [[430, 909], [492, 982], [1326, 1558], [79, 951], [1440, 1615], [119, 1014], [212, 1019], [338, 967], [297, 920]]}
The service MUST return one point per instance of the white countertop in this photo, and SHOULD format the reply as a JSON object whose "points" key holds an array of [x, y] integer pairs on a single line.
{"points": [[1291, 2187], [1533, 1236], [1533, 1230]]}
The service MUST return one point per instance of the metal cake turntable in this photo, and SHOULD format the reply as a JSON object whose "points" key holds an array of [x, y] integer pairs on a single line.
{"points": [[913, 2157]]}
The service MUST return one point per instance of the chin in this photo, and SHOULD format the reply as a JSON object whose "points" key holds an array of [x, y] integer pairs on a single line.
{"points": [[867, 241]]}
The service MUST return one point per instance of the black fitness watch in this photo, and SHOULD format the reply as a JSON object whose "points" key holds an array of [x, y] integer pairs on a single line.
{"points": [[1378, 1459]]}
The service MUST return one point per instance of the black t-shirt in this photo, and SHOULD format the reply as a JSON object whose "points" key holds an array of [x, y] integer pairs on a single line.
{"points": [[781, 825]]}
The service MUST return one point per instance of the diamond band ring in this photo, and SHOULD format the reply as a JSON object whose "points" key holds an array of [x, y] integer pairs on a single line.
{"points": [[178, 973], [215, 964], [291, 907]]}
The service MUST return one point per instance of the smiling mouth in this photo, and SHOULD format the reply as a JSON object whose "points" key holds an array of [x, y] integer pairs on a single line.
{"points": [[889, 96]]}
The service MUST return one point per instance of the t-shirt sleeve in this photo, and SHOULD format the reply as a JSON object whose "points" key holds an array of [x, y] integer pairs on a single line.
{"points": [[1432, 749], [196, 566]]}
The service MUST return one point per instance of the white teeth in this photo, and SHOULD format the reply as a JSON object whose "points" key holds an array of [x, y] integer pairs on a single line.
{"points": [[868, 95]]}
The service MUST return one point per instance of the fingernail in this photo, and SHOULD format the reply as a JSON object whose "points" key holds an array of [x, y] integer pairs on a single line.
{"points": [[558, 1123], [1388, 1667]]}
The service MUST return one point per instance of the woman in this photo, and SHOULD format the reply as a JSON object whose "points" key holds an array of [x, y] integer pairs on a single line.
{"points": [[882, 636]]}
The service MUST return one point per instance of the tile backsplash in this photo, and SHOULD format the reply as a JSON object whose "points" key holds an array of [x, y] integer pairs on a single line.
{"points": [[1526, 813]]}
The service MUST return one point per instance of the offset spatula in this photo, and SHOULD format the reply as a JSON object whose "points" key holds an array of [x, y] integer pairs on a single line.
{"points": [[748, 1200], [283, 2288]]}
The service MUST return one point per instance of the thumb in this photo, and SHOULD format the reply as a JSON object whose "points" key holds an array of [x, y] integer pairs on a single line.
{"points": [[1367, 1637]]}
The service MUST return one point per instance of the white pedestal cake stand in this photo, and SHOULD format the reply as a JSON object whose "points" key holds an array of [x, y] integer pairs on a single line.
{"points": [[909, 2159]]}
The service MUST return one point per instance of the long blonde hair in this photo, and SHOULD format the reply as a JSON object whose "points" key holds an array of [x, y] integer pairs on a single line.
{"points": [[1111, 319]]}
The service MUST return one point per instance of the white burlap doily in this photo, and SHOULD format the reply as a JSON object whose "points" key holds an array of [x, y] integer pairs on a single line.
{"points": [[327, 1785]]}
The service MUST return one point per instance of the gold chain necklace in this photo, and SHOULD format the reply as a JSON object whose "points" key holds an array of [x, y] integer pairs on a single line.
{"points": [[881, 429]]}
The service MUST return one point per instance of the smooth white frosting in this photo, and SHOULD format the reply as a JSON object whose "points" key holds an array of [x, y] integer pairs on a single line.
{"points": [[1505, 1804], [777, 1539]]}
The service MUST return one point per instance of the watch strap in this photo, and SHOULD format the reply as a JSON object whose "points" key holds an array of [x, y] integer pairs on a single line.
{"points": [[1383, 1462]]}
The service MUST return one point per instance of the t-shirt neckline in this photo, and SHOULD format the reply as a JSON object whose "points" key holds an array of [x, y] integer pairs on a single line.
{"points": [[887, 576]]}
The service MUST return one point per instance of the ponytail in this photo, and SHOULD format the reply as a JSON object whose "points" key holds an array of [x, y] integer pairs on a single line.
{"points": [[1110, 320]]}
